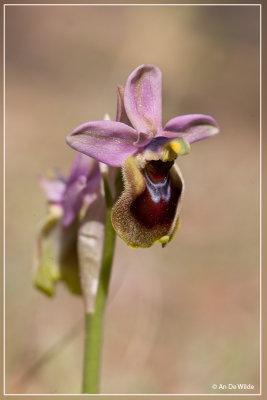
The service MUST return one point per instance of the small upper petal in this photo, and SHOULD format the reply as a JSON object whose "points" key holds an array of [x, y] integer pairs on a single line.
{"points": [[192, 127], [121, 115], [143, 98], [110, 142]]}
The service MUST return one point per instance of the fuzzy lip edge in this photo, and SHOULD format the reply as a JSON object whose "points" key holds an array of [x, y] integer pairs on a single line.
{"points": [[174, 228]]}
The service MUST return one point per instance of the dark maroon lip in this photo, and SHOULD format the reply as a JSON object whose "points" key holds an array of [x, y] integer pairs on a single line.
{"points": [[157, 204], [158, 170]]}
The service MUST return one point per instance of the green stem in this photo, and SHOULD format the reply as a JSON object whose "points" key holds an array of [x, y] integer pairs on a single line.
{"points": [[94, 322]]}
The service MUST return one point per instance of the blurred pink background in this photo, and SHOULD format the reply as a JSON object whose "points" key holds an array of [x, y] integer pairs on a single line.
{"points": [[178, 319]]}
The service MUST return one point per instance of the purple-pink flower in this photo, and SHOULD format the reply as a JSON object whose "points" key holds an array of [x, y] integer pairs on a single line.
{"points": [[148, 209], [78, 190], [71, 238]]}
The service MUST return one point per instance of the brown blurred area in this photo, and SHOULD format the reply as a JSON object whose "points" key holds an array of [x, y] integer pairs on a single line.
{"points": [[178, 319]]}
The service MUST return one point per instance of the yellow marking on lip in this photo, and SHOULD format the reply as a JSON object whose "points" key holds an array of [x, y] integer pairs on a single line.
{"points": [[176, 146], [180, 146]]}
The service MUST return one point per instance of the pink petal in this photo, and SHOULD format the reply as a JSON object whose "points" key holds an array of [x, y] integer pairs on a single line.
{"points": [[73, 200], [83, 182], [81, 166], [142, 98], [110, 142], [192, 127]]}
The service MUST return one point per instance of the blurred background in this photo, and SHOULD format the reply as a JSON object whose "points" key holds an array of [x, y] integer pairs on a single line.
{"points": [[178, 319]]}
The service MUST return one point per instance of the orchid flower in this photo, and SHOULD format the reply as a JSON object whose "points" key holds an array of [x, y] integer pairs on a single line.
{"points": [[69, 246], [149, 207]]}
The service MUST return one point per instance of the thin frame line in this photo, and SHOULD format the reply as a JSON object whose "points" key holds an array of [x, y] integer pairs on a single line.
{"points": [[138, 394], [4, 196], [260, 200], [131, 4], [4, 219]]}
